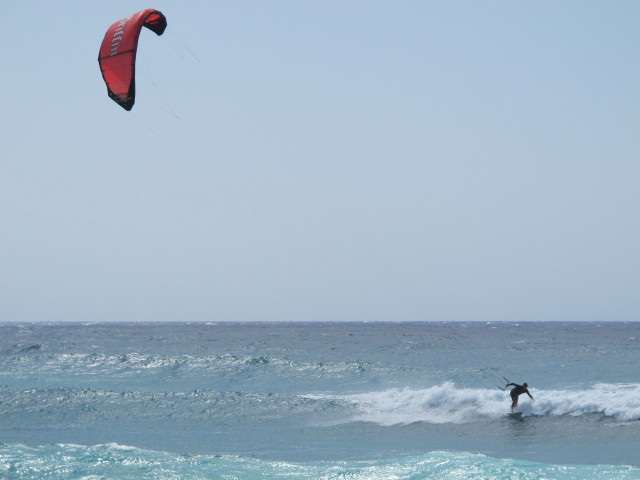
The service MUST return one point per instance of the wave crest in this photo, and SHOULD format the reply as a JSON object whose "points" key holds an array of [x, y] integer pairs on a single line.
{"points": [[447, 403], [63, 461]]}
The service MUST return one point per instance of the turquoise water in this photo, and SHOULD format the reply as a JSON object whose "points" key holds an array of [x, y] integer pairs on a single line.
{"points": [[123, 462], [374, 401]]}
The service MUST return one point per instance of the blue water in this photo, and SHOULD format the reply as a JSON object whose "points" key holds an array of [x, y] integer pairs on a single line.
{"points": [[308, 400]]}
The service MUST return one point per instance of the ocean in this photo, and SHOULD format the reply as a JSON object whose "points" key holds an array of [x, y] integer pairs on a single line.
{"points": [[319, 401]]}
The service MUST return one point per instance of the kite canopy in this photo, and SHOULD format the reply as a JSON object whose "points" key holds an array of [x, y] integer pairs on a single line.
{"points": [[117, 56]]}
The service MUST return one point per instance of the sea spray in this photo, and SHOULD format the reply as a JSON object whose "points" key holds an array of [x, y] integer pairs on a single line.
{"points": [[248, 399], [447, 403]]}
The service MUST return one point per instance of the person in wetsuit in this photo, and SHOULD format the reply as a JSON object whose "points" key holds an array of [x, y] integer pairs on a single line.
{"points": [[516, 392]]}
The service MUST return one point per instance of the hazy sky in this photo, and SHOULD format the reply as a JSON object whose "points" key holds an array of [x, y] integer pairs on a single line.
{"points": [[347, 160]]}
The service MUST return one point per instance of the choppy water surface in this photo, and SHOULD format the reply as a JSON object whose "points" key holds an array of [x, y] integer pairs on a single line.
{"points": [[309, 400]]}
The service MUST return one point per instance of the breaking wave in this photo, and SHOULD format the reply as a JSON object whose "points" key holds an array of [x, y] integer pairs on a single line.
{"points": [[447, 403], [121, 462]]}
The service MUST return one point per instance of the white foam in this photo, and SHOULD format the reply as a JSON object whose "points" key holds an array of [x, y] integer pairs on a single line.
{"points": [[447, 403]]}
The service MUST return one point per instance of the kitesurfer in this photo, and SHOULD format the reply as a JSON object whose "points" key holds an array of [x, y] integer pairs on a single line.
{"points": [[516, 392]]}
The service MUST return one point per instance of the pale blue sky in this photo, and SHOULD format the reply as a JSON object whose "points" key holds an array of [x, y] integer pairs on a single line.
{"points": [[291, 160]]}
